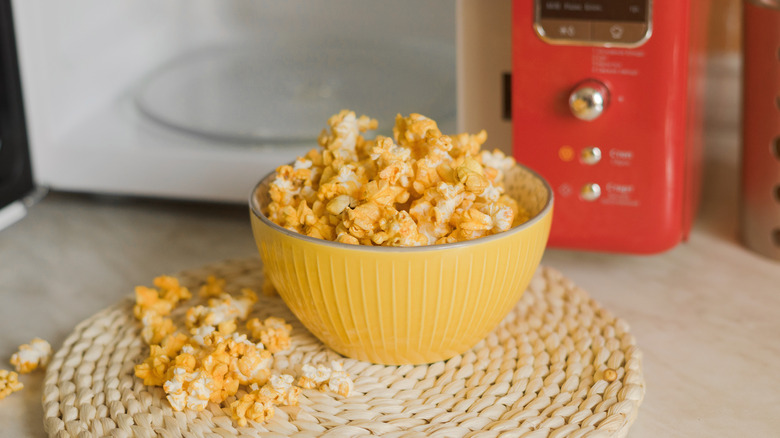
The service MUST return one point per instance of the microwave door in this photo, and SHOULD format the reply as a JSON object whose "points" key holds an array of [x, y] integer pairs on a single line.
{"points": [[16, 181]]}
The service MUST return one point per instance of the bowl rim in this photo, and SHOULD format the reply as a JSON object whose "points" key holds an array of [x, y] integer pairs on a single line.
{"points": [[254, 208]]}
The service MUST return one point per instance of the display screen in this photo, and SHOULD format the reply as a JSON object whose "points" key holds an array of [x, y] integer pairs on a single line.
{"points": [[595, 10]]}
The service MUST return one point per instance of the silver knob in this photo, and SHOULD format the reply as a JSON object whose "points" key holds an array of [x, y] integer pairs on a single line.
{"points": [[590, 192], [589, 99]]}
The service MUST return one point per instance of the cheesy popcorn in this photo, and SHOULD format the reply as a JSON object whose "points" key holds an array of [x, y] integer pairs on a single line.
{"points": [[273, 333], [420, 187], [9, 383], [213, 287], [258, 405], [31, 356], [324, 378], [212, 360], [222, 308], [252, 406], [160, 300]]}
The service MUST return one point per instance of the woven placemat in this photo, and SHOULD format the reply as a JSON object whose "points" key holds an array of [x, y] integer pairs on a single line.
{"points": [[540, 373]]}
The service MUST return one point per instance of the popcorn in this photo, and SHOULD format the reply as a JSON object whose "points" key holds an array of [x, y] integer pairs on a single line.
{"points": [[161, 300], [188, 389], [154, 369], [420, 187], [498, 163], [273, 332], [252, 406], [215, 360], [221, 309], [339, 381], [281, 391], [214, 287], [314, 377], [9, 383], [31, 356], [156, 328], [334, 378]]}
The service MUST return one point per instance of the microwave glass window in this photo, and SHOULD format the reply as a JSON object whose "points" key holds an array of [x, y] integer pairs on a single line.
{"points": [[206, 96], [283, 82]]}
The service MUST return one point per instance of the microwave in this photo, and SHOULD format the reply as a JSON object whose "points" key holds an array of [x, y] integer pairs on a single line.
{"points": [[199, 99]]}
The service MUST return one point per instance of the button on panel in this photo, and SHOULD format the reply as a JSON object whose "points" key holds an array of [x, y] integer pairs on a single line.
{"points": [[590, 155], [593, 32], [572, 30], [590, 192], [618, 32]]}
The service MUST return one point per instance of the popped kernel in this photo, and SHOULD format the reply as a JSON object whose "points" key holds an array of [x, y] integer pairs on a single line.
{"points": [[252, 406], [154, 369], [188, 389], [273, 333], [160, 300], [339, 381], [31, 356], [221, 309], [314, 377], [281, 391], [9, 383], [420, 187], [333, 378], [156, 328], [213, 287]]}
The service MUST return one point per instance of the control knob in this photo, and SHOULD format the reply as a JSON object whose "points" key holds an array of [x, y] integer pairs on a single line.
{"points": [[589, 99]]}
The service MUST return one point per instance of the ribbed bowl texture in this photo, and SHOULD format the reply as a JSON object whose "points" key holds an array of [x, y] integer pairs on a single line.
{"points": [[410, 305]]}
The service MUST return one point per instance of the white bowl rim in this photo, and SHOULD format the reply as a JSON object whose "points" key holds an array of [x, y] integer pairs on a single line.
{"points": [[254, 207]]}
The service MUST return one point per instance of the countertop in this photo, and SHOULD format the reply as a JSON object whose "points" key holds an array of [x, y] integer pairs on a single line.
{"points": [[705, 314]]}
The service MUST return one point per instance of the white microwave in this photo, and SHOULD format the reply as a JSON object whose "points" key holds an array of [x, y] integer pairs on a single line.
{"points": [[198, 99]]}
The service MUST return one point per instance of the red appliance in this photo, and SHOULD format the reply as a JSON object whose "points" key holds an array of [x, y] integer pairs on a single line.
{"points": [[760, 188], [607, 106]]}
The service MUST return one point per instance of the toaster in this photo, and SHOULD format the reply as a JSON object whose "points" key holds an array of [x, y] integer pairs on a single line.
{"points": [[607, 106]]}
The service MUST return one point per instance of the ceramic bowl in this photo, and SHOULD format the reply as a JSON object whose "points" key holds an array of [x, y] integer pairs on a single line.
{"points": [[409, 305]]}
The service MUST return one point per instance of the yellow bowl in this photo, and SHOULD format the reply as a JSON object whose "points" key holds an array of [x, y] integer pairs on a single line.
{"points": [[409, 305]]}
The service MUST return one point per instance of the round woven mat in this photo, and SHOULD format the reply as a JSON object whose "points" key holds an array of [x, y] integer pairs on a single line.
{"points": [[540, 373]]}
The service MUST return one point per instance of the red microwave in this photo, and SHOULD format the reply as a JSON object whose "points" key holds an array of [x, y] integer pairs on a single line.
{"points": [[607, 106]]}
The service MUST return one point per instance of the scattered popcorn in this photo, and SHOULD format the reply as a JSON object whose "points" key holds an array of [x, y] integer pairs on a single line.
{"points": [[339, 381], [420, 187], [31, 356], [323, 378], [156, 327], [212, 360], [258, 405], [214, 287], [273, 332], [161, 300], [281, 391], [221, 309], [9, 383], [314, 377], [252, 406], [188, 389]]}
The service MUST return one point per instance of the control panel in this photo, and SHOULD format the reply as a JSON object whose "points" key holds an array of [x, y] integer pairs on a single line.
{"points": [[593, 22]]}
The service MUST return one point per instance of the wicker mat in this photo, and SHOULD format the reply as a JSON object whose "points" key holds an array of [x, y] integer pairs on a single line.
{"points": [[559, 365]]}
